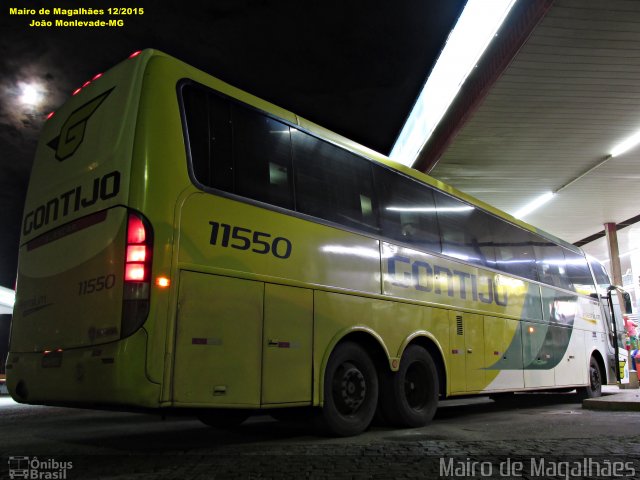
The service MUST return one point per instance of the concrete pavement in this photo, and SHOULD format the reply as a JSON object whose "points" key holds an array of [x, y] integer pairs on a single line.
{"points": [[614, 399]]}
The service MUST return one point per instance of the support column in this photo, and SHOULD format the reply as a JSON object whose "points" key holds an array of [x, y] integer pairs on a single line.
{"points": [[614, 253], [616, 273]]}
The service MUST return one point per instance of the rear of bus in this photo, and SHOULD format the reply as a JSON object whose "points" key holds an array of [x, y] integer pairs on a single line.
{"points": [[86, 262]]}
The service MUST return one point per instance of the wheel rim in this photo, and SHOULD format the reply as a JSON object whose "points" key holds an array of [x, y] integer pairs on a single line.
{"points": [[596, 383], [349, 388], [415, 387]]}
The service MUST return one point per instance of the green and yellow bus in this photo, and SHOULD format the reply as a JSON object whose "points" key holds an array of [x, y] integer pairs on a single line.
{"points": [[186, 245]]}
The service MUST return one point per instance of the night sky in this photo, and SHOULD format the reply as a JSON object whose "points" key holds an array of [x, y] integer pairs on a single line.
{"points": [[353, 66]]}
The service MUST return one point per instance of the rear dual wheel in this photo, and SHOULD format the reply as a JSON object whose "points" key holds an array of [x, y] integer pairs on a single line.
{"points": [[409, 397]]}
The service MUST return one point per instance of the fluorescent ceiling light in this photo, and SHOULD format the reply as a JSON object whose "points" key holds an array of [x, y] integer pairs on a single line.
{"points": [[475, 28], [628, 144], [430, 209], [7, 297], [533, 205]]}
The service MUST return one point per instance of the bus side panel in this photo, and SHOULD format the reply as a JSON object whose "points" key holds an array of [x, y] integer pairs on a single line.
{"points": [[227, 328], [336, 315], [287, 345], [218, 341], [420, 276], [503, 353], [223, 235]]}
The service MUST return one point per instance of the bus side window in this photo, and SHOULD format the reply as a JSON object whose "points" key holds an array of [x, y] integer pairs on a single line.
{"points": [[209, 136], [603, 282], [514, 250], [407, 210], [551, 264], [262, 154], [465, 231], [333, 184], [579, 273]]}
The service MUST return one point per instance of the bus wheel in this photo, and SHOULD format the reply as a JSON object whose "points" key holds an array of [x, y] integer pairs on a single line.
{"points": [[409, 397], [594, 389], [350, 391], [226, 418]]}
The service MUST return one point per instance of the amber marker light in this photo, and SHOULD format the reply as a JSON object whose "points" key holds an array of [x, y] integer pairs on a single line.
{"points": [[163, 282]]}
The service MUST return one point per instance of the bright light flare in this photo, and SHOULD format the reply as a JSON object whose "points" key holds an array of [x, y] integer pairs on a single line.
{"points": [[627, 145], [31, 94]]}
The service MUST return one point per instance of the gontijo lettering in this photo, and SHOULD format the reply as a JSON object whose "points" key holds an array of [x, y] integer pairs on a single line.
{"points": [[102, 188], [440, 280]]}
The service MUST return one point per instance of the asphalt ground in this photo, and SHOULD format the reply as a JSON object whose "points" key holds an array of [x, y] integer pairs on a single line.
{"points": [[534, 436]]}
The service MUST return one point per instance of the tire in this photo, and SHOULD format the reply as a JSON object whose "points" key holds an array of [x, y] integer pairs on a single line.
{"points": [[409, 397], [350, 391], [226, 418], [594, 389]]}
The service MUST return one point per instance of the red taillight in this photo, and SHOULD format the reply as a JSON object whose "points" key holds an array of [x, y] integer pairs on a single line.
{"points": [[134, 272], [135, 231], [136, 253], [137, 274], [137, 268], [135, 54]]}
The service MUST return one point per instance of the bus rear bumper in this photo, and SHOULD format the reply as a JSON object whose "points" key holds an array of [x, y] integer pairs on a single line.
{"points": [[102, 375]]}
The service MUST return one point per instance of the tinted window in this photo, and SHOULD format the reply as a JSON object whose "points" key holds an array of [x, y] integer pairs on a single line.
{"points": [[579, 273], [208, 119], [465, 231], [237, 149], [559, 307], [332, 183], [514, 250], [551, 264], [602, 277], [407, 210], [262, 149]]}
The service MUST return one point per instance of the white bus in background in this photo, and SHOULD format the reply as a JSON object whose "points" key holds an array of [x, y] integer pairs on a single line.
{"points": [[7, 299]]}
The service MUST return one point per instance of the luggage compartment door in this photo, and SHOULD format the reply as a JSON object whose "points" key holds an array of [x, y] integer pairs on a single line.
{"points": [[218, 341]]}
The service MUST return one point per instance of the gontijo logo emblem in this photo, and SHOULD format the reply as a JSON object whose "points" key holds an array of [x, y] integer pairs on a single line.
{"points": [[72, 131]]}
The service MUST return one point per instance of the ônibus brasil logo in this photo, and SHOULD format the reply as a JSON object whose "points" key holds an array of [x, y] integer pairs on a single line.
{"points": [[33, 468]]}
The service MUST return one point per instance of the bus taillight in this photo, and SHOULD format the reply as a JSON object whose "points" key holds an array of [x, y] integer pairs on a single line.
{"points": [[137, 274]]}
